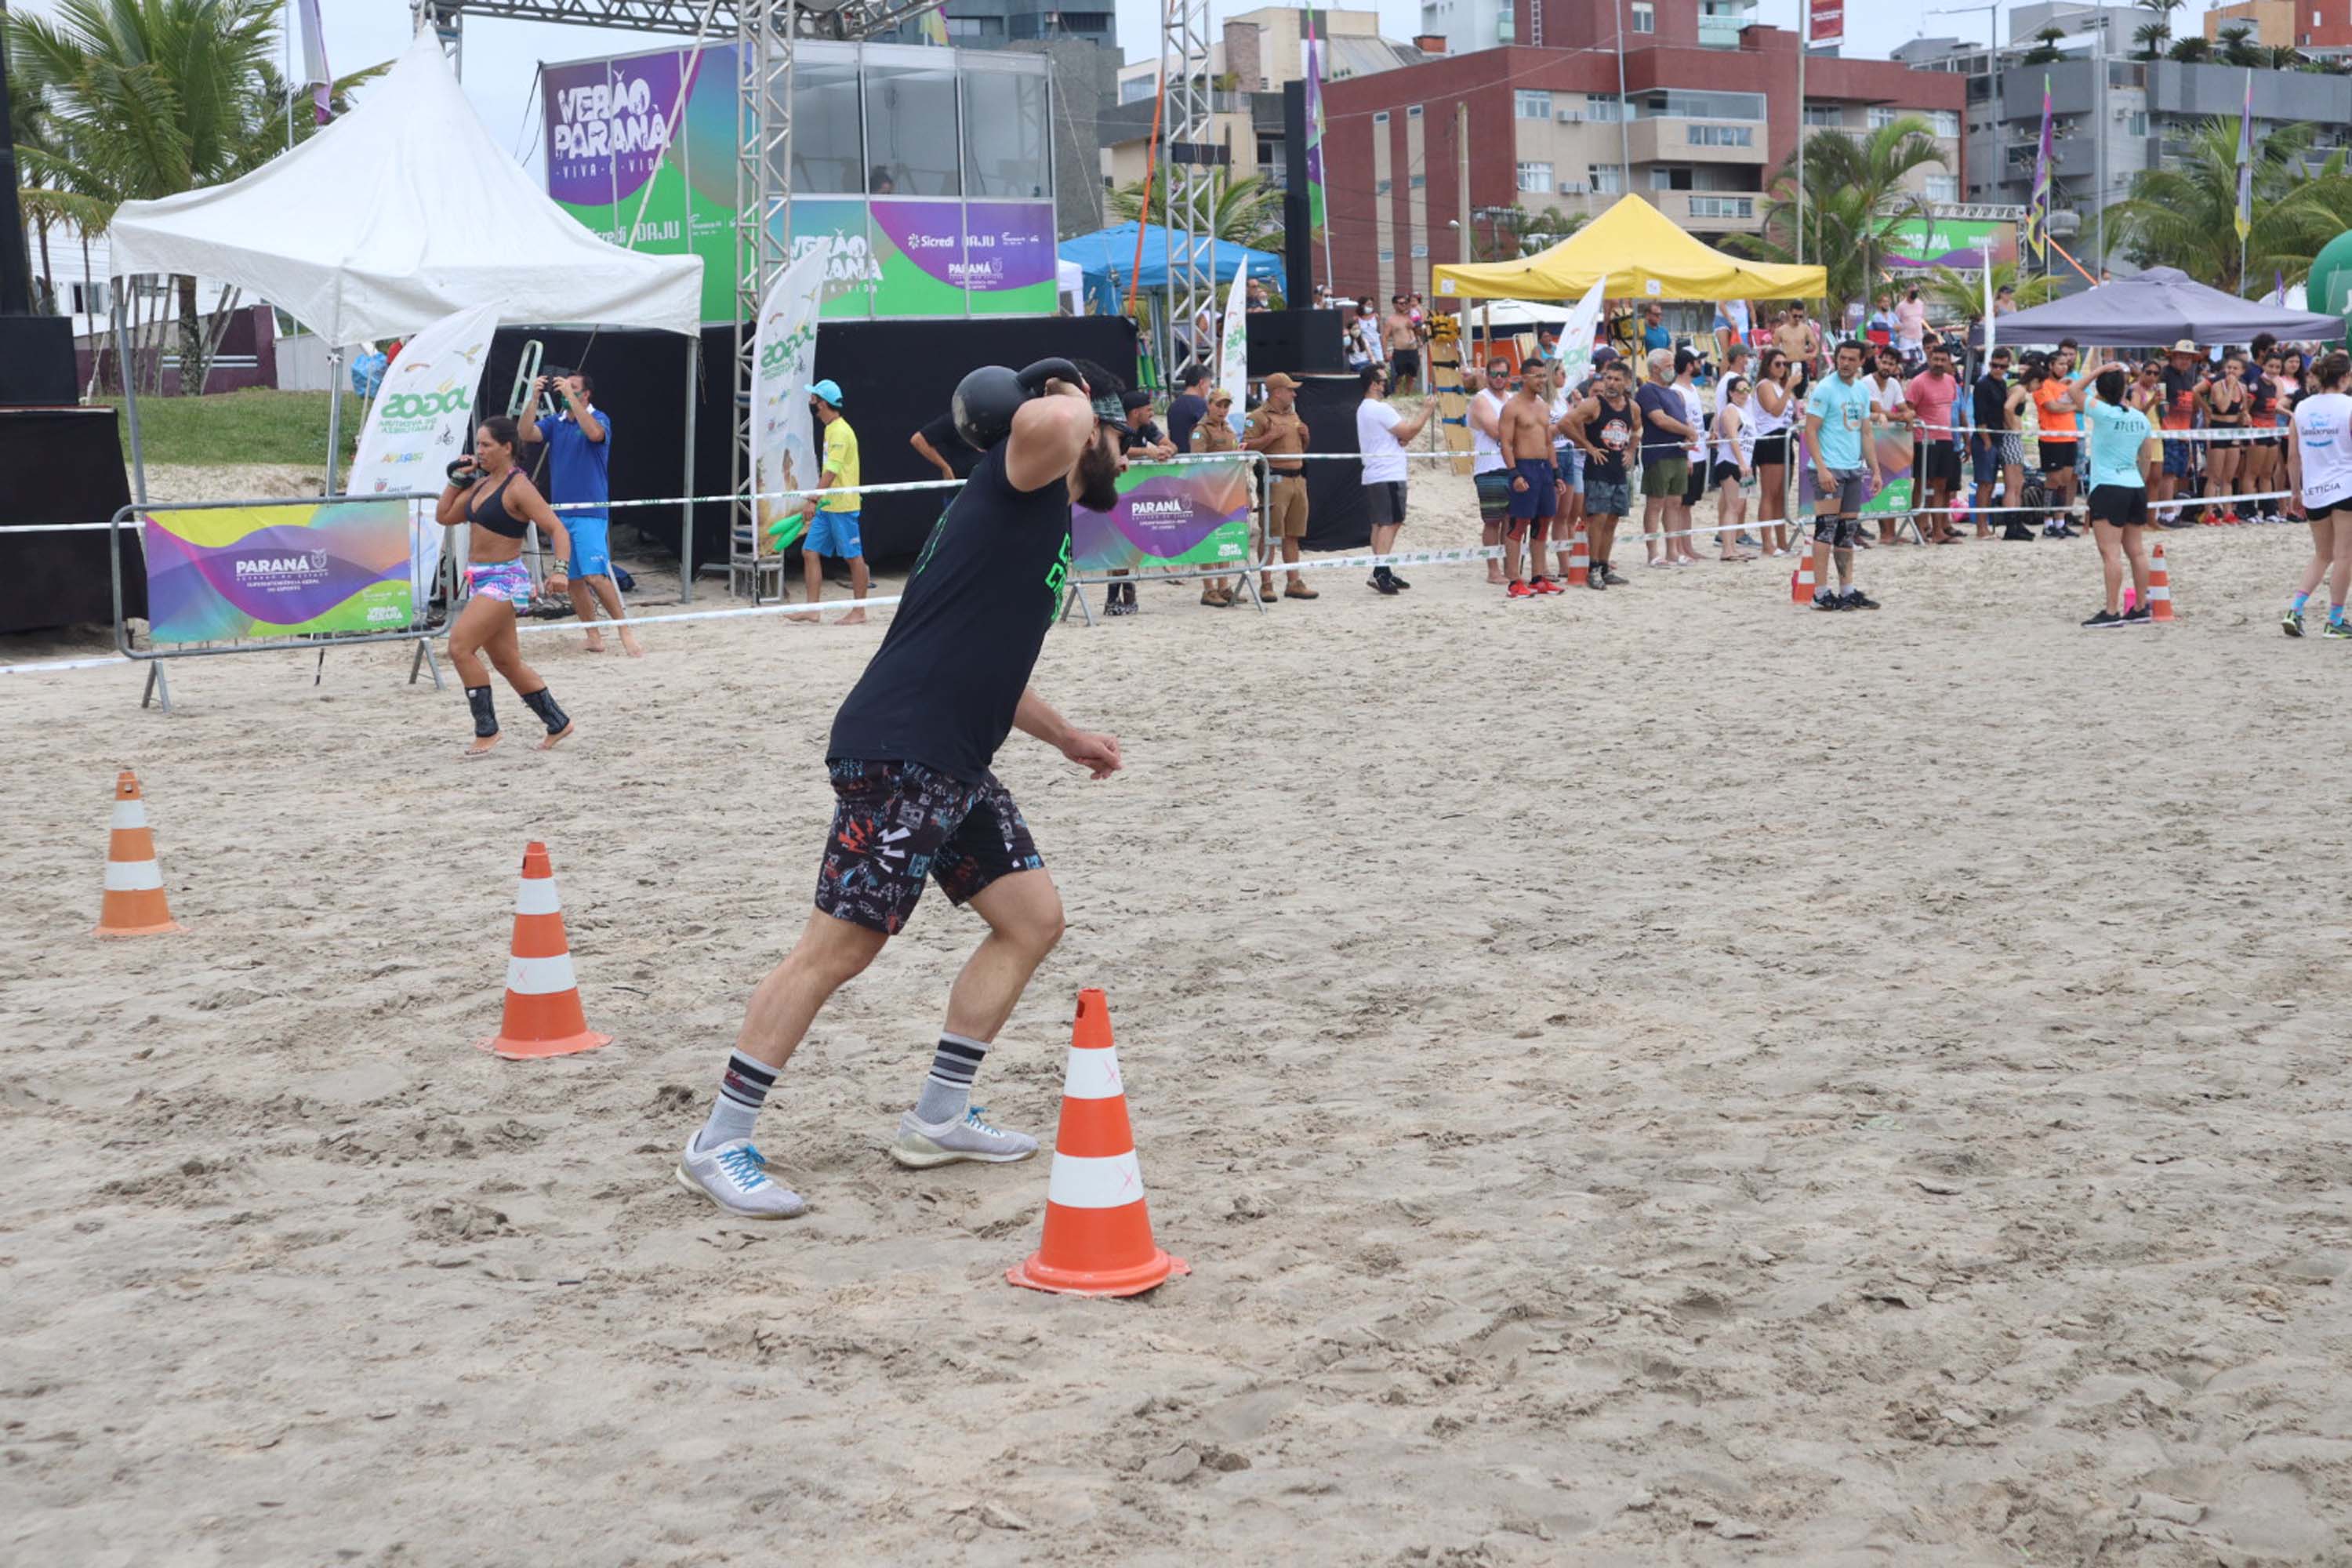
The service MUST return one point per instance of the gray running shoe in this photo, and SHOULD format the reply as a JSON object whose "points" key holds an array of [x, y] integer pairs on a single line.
{"points": [[735, 1177], [922, 1144]]}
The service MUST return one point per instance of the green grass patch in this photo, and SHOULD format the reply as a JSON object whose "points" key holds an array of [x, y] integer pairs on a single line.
{"points": [[259, 425]]}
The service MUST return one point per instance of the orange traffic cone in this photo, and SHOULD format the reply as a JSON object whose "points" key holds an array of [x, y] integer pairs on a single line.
{"points": [[1097, 1233], [134, 903], [543, 1016], [1801, 581], [2159, 586], [1579, 562]]}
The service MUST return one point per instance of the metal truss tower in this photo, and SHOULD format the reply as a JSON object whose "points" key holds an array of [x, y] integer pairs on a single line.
{"points": [[1189, 166]]}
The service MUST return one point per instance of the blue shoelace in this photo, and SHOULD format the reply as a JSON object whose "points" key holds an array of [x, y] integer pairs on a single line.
{"points": [[746, 1165]]}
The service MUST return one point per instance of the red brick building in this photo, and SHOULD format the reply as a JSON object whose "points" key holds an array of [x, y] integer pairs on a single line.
{"points": [[1697, 131]]}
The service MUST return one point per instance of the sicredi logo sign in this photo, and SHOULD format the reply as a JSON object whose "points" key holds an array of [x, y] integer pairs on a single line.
{"points": [[609, 117]]}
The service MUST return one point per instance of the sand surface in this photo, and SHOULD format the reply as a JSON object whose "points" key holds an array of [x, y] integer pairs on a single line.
{"points": [[1652, 1077]]}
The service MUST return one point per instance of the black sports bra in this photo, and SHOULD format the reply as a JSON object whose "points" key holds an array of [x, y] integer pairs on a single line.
{"points": [[490, 513]]}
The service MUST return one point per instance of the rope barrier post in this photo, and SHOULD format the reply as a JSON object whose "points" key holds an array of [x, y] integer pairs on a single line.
{"points": [[685, 508]]}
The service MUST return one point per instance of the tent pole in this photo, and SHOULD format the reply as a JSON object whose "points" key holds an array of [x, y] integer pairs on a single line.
{"points": [[129, 403], [685, 515], [335, 414]]}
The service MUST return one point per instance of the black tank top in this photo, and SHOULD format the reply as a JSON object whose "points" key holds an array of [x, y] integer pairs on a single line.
{"points": [[942, 687], [1612, 430], [490, 511]]}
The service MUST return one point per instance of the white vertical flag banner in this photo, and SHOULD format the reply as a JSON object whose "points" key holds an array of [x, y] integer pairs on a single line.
{"points": [[417, 423], [784, 443], [1576, 338], [1232, 347]]}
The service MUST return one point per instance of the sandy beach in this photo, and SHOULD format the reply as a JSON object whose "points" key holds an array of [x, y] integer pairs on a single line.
{"points": [[1654, 1076]]}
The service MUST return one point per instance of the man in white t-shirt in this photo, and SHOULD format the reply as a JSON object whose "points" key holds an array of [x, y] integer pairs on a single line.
{"points": [[1380, 435], [1489, 474]]}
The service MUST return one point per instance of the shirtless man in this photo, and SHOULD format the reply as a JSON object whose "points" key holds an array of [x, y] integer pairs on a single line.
{"points": [[1800, 340], [1402, 337], [1525, 433]]}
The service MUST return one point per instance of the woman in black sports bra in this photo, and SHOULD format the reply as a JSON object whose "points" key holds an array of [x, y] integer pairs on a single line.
{"points": [[500, 502]]}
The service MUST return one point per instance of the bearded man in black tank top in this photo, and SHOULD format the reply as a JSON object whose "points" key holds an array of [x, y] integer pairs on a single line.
{"points": [[909, 760]]}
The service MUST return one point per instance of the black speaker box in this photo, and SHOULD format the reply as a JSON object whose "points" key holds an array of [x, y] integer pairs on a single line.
{"points": [[37, 361], [1302, 342]]}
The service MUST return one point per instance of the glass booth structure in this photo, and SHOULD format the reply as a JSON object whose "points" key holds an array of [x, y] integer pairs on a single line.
{"points": [[931, 170]]}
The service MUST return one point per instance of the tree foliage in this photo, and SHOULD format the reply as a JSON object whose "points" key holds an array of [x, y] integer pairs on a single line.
{"points": [[2184, 214], [1856, 202]]}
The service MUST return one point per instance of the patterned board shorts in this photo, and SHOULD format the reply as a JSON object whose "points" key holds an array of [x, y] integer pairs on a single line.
{"points": [[896, 823], [505, 581]]}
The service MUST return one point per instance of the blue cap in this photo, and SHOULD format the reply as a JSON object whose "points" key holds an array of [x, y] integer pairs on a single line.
{"points": [[828, 390]]}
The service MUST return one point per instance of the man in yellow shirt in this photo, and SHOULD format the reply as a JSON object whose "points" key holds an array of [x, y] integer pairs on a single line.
{"points": [[833, 518]]}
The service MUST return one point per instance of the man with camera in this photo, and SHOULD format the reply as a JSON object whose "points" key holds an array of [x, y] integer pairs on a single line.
{"points": [[579, 438]]}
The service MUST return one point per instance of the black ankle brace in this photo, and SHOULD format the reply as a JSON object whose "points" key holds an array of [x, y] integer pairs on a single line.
{"points": [[486, 717]]}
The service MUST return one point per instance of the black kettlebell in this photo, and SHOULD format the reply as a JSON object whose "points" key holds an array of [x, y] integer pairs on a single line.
{"points": [[461, 471], [985, 402]]}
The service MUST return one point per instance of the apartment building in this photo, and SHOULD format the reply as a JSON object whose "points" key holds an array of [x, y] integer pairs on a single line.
{"points": [[1695, 122]]}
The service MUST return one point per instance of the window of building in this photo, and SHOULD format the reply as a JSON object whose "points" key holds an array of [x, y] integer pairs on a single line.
{"points": [[1604, 109], [1005, 122], [1413, 113], [1608, 179], [1380, 188], [1722, 135], [1536, 178], [828, 158], [1943, 187], [910, 129], [2136, 123], [1134, 90], [1646, 16], [1881, 116], [1387, 257], [1417, 181], [1945, 123], [1723, 206], [1421, 253], [1670, 177], [1825, 114], [1531, 105], [1380, 117], [1678, 103]]}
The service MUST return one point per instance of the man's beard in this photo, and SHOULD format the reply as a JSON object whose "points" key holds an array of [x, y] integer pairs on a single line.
{"points": [[1098, 476]]}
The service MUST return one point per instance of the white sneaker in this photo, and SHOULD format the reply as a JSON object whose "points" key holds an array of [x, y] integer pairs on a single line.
{"points": [[735, 1177], [922, 1144]]}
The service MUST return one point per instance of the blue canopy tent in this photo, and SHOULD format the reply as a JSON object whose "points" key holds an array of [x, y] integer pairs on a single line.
{"points": [[1108, 258]]}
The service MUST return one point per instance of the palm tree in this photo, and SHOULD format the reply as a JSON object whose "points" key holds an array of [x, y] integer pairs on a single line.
{"points": [[2239, 48], [2184, 214], [1247, 211], [1505, 234], [1956, 296], [2151, 37], [2045, 50], [1856, 202], [2190, 51], [150, 98]]}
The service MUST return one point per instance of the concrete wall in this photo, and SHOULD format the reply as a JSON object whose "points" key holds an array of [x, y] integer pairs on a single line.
{"points": [[1085, 77]]}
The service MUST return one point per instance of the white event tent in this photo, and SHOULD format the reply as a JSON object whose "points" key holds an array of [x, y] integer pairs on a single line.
{"points": [[394, 216]]}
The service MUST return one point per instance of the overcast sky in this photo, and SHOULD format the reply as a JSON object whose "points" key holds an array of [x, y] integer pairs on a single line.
{"points": [[502, 58]]}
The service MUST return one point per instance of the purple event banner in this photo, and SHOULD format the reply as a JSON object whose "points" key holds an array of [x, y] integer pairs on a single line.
{"points": [[608, 125]]}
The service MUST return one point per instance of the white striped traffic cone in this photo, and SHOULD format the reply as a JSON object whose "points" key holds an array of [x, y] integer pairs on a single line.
{"points": [[2159, 585], [1579, 564], [134, 904], [542, 1012], [1097, 1237], [1801, 581]]}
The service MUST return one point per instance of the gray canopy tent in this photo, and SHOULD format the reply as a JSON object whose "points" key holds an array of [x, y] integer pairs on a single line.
{"points": [[2157, 308]]}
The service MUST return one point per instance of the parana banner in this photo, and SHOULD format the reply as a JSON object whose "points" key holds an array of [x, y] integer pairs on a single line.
{"points": [[267, 571], [641, 165], [417, 423], [1169, 514]]}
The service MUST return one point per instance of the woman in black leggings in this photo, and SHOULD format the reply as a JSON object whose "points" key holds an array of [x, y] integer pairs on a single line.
{"points": [[500, 502]]}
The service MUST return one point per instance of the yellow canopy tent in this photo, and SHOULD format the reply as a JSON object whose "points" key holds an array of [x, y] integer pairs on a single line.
{"points": [[1642, 253]]}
